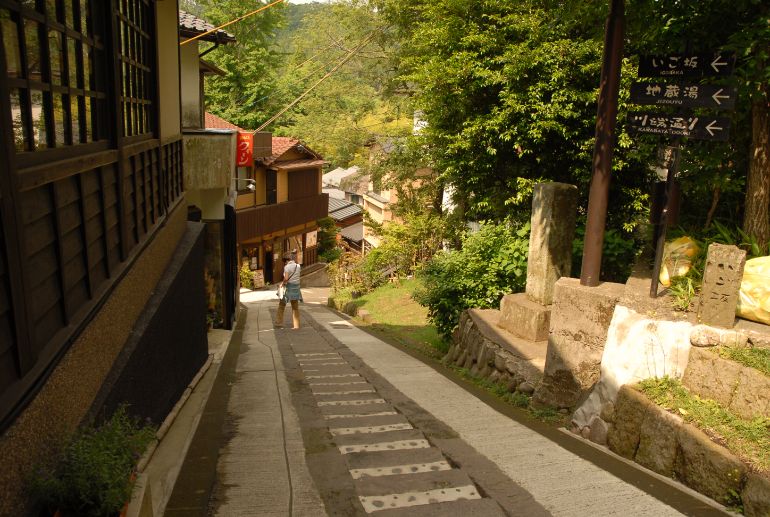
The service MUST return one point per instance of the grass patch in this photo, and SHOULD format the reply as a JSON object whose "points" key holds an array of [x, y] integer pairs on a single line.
{"points": [[758, 358], [397, 315], [749, 439]]}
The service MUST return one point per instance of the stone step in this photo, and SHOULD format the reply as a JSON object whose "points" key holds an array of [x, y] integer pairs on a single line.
{"points": [[524, 318], [420, 482], [349, 396], [386, 459], [459, 508], [362, 421], [389, 436]]}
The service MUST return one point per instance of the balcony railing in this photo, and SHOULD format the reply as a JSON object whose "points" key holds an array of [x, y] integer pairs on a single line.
{"points": [[264, 219]]}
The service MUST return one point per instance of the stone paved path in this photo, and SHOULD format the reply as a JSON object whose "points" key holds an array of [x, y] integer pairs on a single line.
{"points": [[330, 420]]}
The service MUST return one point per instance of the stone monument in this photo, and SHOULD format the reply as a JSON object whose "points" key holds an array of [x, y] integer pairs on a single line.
{"points": [[554, 209], [721, 285]]}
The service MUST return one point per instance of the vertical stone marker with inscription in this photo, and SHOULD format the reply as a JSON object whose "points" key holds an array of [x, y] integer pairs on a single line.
{"points": [[554, 209], [721, 284]]}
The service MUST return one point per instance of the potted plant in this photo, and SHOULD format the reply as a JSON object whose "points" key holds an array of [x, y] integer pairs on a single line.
{"points": [[93, 474]]}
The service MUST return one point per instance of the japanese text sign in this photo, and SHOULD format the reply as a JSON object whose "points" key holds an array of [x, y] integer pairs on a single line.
{"points": [[683, 95], [687, 65], [245, 150], [701, 128]]}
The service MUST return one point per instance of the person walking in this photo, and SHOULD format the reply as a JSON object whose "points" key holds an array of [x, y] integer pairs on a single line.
{"points": [[292, 292]]}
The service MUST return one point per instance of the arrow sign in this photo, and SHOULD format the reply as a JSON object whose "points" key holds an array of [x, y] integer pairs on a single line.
{"points": [[719, 64], [700, 128], [658, 93]]}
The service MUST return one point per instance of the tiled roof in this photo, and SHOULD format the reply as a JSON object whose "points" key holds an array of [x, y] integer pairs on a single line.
{"points": [[339, 209], [214, 122], [190, 26], [282, 144]]}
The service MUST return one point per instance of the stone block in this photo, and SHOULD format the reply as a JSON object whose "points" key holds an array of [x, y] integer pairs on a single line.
{"points": [[721, 284], [580, 319], [756, 496], [500, 360], [631, 407], [365, 315], [554, 209], [710, 376], [658, 438], [707, 467], [524, 318], [599, 430], [751, 398], [705, 336]]}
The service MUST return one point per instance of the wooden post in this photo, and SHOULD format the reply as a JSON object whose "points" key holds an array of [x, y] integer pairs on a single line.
{"points": [[606, 119]]}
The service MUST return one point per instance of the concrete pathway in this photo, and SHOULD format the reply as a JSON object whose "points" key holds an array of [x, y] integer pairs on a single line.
{"points": [[331, 420]]}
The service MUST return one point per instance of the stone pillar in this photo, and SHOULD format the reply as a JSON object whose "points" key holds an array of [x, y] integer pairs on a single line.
{"points": [[554, 209], [721, 284], [581, 318]]}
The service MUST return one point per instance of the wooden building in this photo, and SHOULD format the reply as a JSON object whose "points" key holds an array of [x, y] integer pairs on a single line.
{"points": [[101, 283], [281, 212]]}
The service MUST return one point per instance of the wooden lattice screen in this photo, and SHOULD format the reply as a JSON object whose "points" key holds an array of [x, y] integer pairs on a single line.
{"points": [[86, 182]]}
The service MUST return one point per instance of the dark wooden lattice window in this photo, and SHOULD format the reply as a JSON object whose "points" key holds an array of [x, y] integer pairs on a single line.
{"points": [[135, 35], [51, 47]]}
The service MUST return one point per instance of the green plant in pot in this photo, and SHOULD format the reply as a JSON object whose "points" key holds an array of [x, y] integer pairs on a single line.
{"points": [[93, 474]]}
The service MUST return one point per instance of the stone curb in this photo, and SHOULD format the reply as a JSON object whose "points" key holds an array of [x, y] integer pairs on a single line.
{"points": [[141, 502], [667, 480]]}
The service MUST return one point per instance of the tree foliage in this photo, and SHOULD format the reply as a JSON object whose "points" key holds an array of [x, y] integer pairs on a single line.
{"points": [[491, 264], [509, 96], [250, 64]]}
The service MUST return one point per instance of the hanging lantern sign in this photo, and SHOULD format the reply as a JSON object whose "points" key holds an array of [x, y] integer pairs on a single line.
{"points": [[245, 151]]}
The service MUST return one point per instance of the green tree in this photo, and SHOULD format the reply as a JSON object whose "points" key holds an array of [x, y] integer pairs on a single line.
{"points": [[243, 95], [741, 168], [508, 91]]}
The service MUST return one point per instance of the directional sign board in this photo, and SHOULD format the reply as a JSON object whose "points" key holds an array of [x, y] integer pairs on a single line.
{"points": [[687, 65], [683, 95], [700, 128]]}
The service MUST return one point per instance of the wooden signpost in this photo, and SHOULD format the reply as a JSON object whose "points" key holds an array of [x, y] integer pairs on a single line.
{"points": [[670, 91]]}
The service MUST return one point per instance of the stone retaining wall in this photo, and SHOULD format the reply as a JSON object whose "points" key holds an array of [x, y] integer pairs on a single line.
{"points": [[640, 430], [741, 389], [476, 348]]}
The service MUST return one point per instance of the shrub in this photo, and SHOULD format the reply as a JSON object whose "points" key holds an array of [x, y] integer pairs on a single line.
{"points": [[92, 475], [619, 254], [491, 263], [246, 278]]}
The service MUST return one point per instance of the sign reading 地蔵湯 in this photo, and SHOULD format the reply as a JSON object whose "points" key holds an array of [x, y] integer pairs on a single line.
{"points": [[687, 65], [683, 95], [701, 128]]}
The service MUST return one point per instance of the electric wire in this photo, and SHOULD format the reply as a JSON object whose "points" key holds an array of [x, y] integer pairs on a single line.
{"points": [[236, 20], [322, 79]]}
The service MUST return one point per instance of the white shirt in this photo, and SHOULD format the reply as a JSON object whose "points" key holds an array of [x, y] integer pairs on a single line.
{"points": [[291, 271]]}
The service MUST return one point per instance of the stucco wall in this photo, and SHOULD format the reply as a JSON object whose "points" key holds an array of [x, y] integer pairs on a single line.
{"points": [[209, 159], [190, 72], [168, 68], [63, 402]]}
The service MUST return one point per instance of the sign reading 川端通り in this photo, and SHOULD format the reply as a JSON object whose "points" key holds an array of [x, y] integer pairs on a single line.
{"points": [[701, 128], [683, 95]]}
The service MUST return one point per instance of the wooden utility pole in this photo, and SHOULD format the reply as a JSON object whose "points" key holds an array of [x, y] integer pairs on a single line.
{"points": [[606, 119]]}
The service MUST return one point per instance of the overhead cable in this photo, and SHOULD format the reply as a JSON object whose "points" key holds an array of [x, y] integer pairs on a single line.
{"points": [[326, 76], [185, 42]]}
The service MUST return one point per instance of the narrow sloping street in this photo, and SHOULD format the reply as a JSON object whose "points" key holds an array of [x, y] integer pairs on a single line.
{"points": [[328, 419]]}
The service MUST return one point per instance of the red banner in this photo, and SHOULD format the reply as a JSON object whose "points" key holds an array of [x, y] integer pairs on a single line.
{"points": [[245, 151]]}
